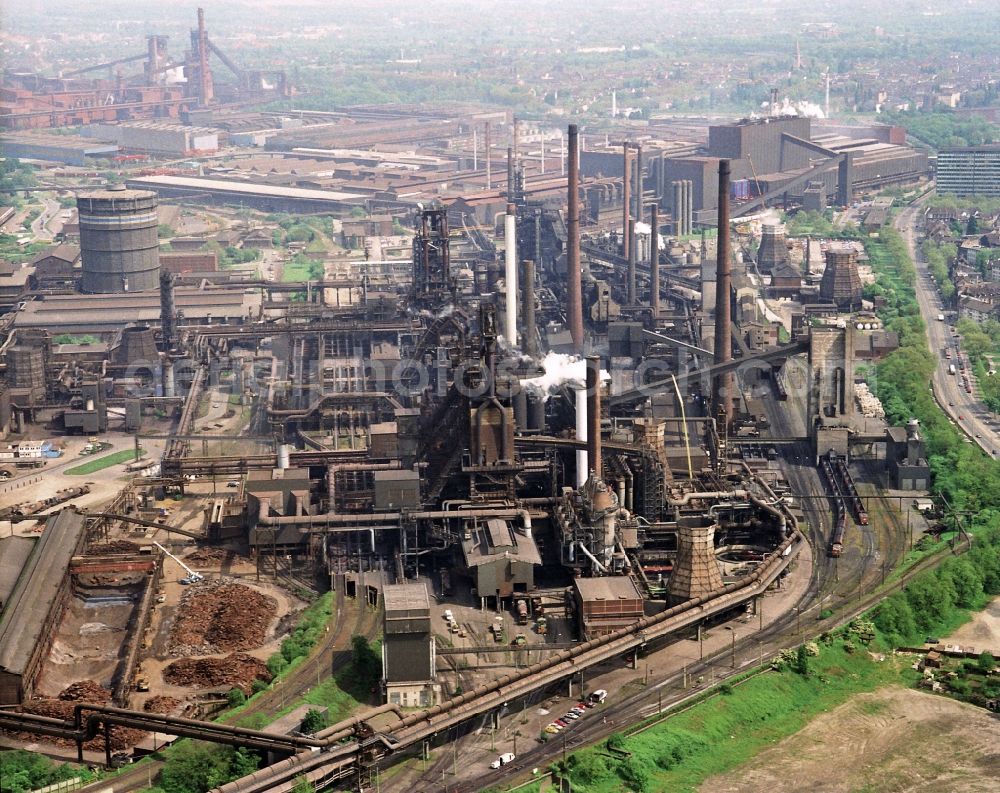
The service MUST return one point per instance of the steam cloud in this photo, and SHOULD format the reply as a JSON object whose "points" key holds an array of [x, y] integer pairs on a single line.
{"points": [[560, 369]]}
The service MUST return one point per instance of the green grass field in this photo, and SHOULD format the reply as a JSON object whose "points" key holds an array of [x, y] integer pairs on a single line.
{"points": [[727, 729], [101, 463]]}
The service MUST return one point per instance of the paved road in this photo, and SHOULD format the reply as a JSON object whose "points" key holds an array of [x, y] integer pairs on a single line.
{"points": [[39, 226], [963, 408]]}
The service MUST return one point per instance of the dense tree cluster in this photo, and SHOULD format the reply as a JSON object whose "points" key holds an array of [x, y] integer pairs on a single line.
{"points": [[22, 771], [929, 603], [943, 129]]}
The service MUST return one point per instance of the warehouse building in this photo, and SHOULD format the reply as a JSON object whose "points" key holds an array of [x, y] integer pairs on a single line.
{"points": [[58, 267], [15, 281], [766, 154], [105, 314], [267, 198], [56, 148], [500, 561], [37, 587], [152, 137]]}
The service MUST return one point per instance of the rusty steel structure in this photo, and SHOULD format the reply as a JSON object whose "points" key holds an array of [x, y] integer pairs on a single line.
{"points": [[433, 284], [37, 102]]}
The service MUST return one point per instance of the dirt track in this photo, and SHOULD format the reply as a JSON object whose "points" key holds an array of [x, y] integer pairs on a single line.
{"points": [[983, 631], [895, 739]]}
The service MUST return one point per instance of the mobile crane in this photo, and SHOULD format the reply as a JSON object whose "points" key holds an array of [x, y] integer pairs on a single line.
{"points": [[192, 576]]}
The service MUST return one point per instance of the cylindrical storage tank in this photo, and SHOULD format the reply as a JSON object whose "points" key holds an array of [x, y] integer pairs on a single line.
{"points": [[520, 401], [536, 411], [119, 248], [284, 456]]}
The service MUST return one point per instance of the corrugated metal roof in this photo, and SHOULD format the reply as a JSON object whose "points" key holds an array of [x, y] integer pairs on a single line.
{"points": [[14, 552], [607, 588], [34, 594], [405, 597], [246, 188]]}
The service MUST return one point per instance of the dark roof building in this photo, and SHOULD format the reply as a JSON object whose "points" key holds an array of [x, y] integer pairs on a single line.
{"points": [[111, 312], [34, 606]]}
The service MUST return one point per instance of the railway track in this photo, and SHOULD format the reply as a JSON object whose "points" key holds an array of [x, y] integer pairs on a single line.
{"points": [[666, 695], [333, 651], [331, 654]]}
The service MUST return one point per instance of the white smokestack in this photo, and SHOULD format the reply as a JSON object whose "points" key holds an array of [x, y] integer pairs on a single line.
{"points": [[581, 435], [510, 233]]}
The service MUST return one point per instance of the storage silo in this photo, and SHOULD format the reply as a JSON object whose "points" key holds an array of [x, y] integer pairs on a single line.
{"points": [[118, 241]]}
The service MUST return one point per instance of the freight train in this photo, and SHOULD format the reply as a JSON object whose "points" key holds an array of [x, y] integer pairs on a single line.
{"points": [[836, 546], [848, 488]]}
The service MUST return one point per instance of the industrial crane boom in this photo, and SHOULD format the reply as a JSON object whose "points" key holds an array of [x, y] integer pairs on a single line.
{"points": [[192, 576]]}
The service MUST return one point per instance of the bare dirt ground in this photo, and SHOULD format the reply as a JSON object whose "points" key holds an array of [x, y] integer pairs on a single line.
{"points": [[895, 739], [90, 640], [983, 632]]}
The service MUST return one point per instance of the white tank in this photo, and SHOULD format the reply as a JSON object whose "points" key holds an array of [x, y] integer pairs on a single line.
{"points": [[284, 456]]}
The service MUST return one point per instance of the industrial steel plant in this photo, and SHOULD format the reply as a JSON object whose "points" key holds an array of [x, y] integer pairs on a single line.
{"points": [[545, 406]]}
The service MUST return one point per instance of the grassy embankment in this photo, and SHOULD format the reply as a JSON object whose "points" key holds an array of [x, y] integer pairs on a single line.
{"points": [[731, 725]]}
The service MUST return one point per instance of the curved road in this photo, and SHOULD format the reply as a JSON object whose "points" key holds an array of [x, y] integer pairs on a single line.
{"points": [[966, 410]]}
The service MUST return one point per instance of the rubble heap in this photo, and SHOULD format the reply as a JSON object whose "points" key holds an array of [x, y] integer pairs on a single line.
{"points": [[85, 691], [220, 616], [115, 546], [234, 671], [62, 708], [161, 704], [210, 557]]}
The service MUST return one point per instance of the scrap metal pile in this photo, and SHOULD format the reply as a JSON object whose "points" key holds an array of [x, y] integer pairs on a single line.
{"points": [[62, 708], [161, 704], [211, 557], [234, 671], [113, 547], [221, 616]]}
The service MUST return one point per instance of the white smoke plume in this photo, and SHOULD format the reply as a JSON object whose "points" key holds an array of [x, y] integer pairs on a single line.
{"points": [[560, 368], [801, 107]]}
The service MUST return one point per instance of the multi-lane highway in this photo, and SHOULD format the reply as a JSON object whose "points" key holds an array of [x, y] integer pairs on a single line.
{"points": [[965, 409]]}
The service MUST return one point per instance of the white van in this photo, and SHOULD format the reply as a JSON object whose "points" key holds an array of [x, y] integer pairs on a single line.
{"points": [[503, 759], [598, 696]]}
